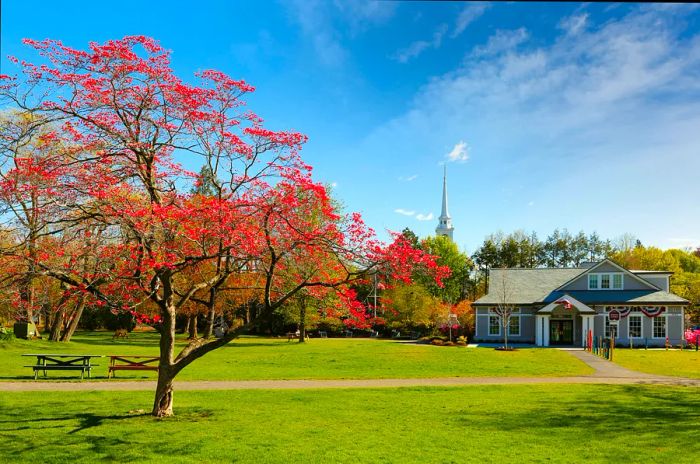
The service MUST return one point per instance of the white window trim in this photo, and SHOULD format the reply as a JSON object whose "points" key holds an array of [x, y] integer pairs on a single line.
{"points": [[641, 325], [664, 316], [599, 277], [498, 319], [520, 321]]}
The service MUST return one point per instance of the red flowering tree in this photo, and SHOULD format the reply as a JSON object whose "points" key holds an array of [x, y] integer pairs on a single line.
{"points": [[121, 118]]}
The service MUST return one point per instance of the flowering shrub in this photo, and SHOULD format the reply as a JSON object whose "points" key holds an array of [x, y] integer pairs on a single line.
{"points": [[692, 336]]}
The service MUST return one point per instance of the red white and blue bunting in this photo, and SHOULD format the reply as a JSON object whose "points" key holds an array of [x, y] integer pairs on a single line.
{"points": [[649, 311]]}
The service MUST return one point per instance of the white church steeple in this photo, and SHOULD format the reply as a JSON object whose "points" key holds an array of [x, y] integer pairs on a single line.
{"points": [[444, 221]]}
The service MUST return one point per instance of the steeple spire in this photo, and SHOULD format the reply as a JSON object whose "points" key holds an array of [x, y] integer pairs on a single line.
{"points": [[444, 212], [444, 221]]}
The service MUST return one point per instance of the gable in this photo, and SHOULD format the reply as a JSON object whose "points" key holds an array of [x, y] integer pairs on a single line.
{"points": [[630, 280]]}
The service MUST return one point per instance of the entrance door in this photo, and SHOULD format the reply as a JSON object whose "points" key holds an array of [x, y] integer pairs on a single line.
{"points": [[561, 332]]}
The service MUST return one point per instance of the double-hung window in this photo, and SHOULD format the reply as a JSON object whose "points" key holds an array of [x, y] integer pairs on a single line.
{"points": [[514, 325], [593, 281], [635, 326], [494, 325], [659, 327], [605, 281]]}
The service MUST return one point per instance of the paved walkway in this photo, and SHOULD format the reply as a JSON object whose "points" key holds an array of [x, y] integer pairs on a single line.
{"points": [[605, 373]]}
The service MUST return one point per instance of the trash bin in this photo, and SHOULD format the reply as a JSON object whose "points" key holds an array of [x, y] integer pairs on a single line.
{"points": [[24, 330]]}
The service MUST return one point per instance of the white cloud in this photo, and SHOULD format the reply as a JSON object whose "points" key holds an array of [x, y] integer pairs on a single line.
{"points": [[404, 212], [459, 153], [409, 178], [501, 41], [326, 24], [470, 13], [334, 184], [531, 203], [424, 217], [416, 48], [574, 24], [617, 105]]}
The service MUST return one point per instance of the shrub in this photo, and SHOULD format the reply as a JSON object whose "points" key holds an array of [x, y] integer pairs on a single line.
{"points": [[461, 343], [437, 342], [449, 344], [6, 335]]}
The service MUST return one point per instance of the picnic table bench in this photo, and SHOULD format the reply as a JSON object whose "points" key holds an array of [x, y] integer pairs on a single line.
{"points": [[297, 334], [63, 362], [131, 363]]}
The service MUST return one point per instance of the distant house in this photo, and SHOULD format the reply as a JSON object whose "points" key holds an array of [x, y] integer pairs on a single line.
{"points": [[559, 306]]}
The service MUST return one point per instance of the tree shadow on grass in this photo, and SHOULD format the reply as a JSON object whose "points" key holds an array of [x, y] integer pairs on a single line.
{"points": [[615, 413]]}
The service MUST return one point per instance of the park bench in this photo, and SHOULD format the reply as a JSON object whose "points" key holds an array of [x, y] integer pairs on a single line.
{"points": [[293, 335], [131, 363], [63, 362]]}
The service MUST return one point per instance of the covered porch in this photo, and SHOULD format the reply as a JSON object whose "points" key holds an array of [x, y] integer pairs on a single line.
{"points": [[564, 322]]}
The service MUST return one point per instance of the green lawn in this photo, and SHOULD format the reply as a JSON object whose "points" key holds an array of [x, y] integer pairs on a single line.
{"points": [[498, 424], [684, 363], [253, 358]]}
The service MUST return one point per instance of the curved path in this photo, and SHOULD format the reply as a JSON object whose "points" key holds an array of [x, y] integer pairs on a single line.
{"points": [[606, 372]]}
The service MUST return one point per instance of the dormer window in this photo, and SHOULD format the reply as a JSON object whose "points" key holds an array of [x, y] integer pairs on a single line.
{"points": [[605, 281]]}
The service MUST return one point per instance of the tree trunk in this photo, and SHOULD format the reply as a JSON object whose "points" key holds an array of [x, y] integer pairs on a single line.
{"points": [[302, 324], [187, 326], [211, 315], [163, 403], [192, 322], [74, 320], [55, 325]]}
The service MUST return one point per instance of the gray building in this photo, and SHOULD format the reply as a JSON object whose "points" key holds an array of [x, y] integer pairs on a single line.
{"points": [[562, 306]]}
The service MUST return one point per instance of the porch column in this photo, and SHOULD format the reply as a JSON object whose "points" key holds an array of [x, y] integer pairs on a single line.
{"points": [[538, 330], [586, 325], [545, 331]]}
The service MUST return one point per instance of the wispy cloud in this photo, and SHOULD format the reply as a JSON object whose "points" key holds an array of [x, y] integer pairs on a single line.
{"points": [[459, 153], [409, 178], [416, 48], [574, 24], [470, 13], [501, 41], [424, 217], [326, 24], [621, 93], [404, 212]]}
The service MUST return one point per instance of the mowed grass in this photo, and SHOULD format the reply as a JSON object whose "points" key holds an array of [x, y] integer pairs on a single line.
{"points": [[494, 424], [675, 363], [257, 358]]}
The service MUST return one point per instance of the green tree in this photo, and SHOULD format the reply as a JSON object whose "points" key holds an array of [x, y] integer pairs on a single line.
{"points": [[454, 287]]}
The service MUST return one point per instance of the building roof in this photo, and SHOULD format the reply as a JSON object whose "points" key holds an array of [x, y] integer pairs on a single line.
{"points": [[618, 297], [539, 286], [525, 286]]}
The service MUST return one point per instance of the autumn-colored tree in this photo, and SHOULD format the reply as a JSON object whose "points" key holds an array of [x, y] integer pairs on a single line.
{"points": [[125, 116]]}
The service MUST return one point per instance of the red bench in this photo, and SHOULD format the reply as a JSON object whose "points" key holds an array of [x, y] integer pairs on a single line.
{"points": [[132, 363]]}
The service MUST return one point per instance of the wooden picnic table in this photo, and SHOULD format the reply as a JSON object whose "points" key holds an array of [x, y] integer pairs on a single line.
{"points": [[63, 362], [130, 362]]}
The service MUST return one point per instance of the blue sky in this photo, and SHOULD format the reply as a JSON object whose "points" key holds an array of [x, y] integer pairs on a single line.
{"points": [[578, 116]]}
